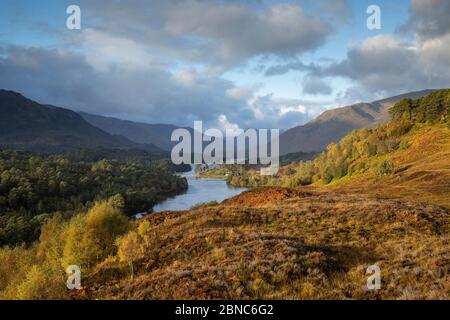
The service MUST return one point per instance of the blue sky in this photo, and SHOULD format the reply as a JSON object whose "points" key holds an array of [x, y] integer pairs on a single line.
{"points": [[211, 60], [394, 14], [25, 22]]}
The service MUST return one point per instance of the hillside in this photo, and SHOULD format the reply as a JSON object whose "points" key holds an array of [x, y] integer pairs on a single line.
{"points": [[29, 125], [157, 134], [410, 154], [378, 197], [332, 125], [291, 245], [267, 243], [381, 196], [420, 173], [34, 187]]}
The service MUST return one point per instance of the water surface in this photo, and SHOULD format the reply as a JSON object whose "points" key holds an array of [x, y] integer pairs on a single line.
{"points": [[199, 191]]}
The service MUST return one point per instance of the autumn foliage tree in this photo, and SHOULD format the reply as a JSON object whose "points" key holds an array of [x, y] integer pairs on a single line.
{"points": [[91, 237], [129, 249], [354, 154], [84, 240]]}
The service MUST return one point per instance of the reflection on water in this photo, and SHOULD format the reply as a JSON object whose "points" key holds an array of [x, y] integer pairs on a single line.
{"points": [[200, 191]]}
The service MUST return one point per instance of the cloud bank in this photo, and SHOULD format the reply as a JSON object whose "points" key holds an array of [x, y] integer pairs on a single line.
{"points": [[166, 61]]}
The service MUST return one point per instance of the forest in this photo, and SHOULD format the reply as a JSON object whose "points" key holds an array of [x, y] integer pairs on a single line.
{"points": [[33, 187], [359, 152]]}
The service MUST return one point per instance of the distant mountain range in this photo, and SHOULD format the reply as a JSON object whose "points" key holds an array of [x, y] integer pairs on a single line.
{"points": [[29, 125], [26, 124], [156, 134], [332, 125], [313, 137]]}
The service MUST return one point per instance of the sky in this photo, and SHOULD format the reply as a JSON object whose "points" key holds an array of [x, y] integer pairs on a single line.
{"points": [[231, 64]]}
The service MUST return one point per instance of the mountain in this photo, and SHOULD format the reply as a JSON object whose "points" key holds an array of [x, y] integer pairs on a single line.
{"points": [[157, 134], [332, 125], [29, 125], [309, 242], [380, 197]]}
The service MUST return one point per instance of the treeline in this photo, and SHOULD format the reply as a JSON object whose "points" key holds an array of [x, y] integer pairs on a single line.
{"points": [[432, 108], [355, 152], [33, 187], [124, 155]]}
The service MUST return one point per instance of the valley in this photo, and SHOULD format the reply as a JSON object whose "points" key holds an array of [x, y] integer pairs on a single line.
{"points": [[225, 159], [379, 197]]}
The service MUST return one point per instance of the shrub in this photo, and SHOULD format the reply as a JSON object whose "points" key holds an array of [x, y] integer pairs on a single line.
{"points": [[385, 168], [144, 232], [81, 247], [305, 181], [91, 237], [392, 145], [129, 249], [404, 145], [15, 263], [41, 284], [327, 176], [107, 222]]}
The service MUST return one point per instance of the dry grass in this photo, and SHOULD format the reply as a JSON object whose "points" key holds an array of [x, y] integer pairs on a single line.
{"points": [[314, 246], [304, 243], [422, 172]]}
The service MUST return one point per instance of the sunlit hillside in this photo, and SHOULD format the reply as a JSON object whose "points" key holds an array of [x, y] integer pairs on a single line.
{"points": [[408, 157], [276, 243], [421, 172], [378, 197]]}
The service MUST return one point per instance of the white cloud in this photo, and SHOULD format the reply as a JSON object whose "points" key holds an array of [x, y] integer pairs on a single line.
{"points": [[240, 93], [385, 65], [216, 33], [286, 109], [316, 86], [164, 61], [429, 18], [186, 77], [228, 127], [146, 94]]}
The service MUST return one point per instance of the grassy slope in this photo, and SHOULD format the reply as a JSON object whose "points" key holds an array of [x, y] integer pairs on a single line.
{"points": [[287, 244], [422, 171], [311, 242]]}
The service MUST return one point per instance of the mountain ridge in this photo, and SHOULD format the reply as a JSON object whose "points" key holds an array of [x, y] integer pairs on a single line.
{"points": [[29, 125], [139, 132], [334, 124]]}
